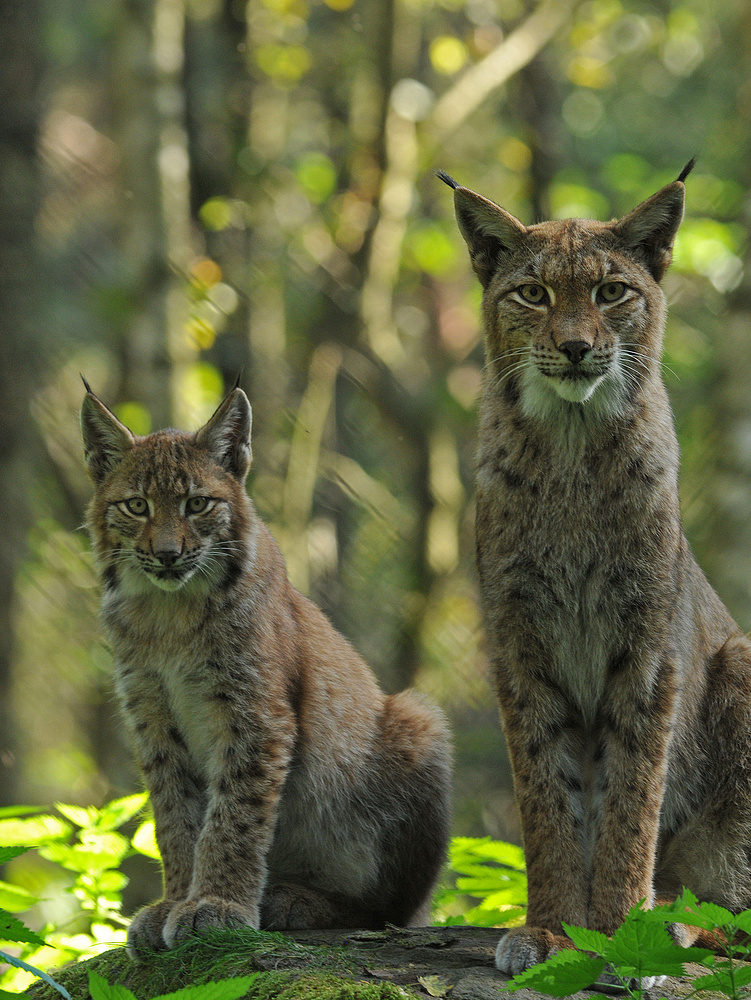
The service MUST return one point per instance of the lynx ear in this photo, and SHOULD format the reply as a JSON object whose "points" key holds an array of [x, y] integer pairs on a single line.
{"points": [[105, 439], [489, 231], [226, 436], [649, 230]]}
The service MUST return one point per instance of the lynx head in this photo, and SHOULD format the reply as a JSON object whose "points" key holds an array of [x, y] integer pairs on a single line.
{"points": [[168, 508], [573, 309]]}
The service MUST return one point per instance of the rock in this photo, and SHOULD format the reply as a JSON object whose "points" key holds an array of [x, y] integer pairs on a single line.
{"points": [[451, 962]]}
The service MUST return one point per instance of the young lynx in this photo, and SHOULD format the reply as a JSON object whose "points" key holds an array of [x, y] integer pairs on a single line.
{"points": [[288, 790], [624, 684]]}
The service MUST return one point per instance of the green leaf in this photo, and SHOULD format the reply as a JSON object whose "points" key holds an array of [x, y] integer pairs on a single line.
{"points": [[8, 853], [472, 849], [11, 929], [100, 989], [642, 947], [588, 940], [480, 916], [14, 898], [119, 811], [19, 964], [144, 840], [742, 921], [33, 832], [563, 974], [719, 981], [224, 989], [6, 811], [98, 852], [77, 814]]}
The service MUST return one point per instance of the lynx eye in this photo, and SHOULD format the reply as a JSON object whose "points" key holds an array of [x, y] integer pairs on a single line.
{"points": [[136, 506], [196, 505], [611, 291], [536, 295]]}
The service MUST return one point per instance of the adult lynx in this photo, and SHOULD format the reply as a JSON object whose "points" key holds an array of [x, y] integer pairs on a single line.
{"points": [[624, 684], [288, 790]]}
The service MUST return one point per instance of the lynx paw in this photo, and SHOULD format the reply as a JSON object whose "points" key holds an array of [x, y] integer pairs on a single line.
{"points": [[523, 947], [197, 915], [145, 934]]}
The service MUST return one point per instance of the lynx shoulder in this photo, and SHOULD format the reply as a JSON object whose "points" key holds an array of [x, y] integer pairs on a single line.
{"points": [[288, 790], [624, 684]]}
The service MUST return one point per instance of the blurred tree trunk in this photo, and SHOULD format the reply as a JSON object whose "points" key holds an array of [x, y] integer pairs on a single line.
{"points": [[728, 540], [218, 93], [20, 25], [149, 117]]}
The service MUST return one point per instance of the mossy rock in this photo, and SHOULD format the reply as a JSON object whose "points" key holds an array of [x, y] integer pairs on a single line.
{"points": [[396, 964]]}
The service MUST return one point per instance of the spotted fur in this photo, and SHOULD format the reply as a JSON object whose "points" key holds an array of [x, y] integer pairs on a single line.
{"points": [[624, 684], [288, 790]]}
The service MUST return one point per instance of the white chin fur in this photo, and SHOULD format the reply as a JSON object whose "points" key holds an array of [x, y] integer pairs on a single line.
{"points": [[166, 584], [575, 391]]}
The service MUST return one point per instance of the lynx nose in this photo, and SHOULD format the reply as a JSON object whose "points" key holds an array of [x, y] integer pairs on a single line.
{"points": [[575, 350], [167, 557]]}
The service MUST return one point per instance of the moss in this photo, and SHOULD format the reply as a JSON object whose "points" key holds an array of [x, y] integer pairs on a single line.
{"points": [[223, 955]]}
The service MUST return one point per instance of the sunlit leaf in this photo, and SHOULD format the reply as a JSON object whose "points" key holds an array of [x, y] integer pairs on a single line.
{"points": [[16, 899], [144, 840], [33, 832], [119, 811], [76, 814]]}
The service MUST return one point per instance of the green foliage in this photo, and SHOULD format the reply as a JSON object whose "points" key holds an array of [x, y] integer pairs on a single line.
{"points": [[87, 844], [490, 871], [226, 989], [563, 974], [642, 947]]}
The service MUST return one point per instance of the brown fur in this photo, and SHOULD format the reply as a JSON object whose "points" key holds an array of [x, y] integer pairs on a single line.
{"points": [[288, 790], [624, 684]]}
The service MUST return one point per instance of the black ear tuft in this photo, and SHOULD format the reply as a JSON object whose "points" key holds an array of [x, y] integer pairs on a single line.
{"points": [[86, 385], [447, 179], [687, 169]]}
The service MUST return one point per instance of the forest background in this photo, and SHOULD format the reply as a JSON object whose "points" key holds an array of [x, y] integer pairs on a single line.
{"points": [[192, 189]]}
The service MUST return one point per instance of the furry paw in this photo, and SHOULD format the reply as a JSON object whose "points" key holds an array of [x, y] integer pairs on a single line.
{"points": [[145, 932], [522, 947], [197, 915]]}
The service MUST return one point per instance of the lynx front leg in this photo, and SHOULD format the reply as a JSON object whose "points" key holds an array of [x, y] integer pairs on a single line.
{"points": [[535, 719], [177, 801], [230, 868], [636, 724]]}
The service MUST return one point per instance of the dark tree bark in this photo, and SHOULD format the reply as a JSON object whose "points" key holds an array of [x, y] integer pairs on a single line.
{"points": [[19, 341]]}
